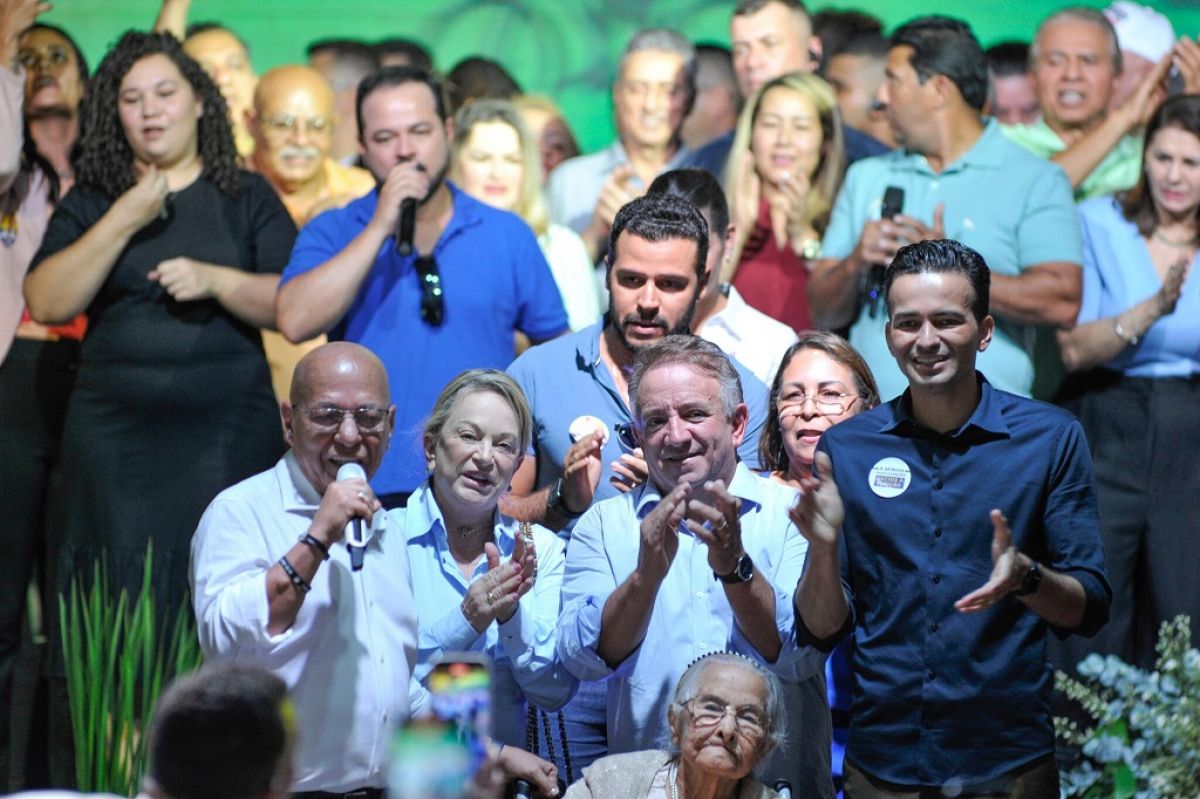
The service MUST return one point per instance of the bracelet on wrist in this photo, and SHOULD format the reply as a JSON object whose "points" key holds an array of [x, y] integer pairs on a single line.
{"points": [[1131, 339], [299, 583], [316, 543]]}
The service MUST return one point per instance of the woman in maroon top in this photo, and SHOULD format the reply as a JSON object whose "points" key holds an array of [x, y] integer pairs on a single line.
{"points": [[784, 170]]}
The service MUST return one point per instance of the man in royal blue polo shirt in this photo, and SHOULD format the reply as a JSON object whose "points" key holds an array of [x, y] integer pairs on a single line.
{"points": [[967, 523], [474, 275]]}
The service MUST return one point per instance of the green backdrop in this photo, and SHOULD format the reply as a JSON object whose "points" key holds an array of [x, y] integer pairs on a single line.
{"points": [[564, 48]]}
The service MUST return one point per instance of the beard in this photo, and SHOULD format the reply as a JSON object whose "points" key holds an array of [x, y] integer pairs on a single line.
{"points": [[683, 326]]}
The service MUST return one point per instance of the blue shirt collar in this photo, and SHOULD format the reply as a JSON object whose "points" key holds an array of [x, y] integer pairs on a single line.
{"points": [[423, 522], [985, 152], [985, 422]]}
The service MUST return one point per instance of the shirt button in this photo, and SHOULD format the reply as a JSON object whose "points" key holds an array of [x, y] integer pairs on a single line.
{"points": [[933, 628], [936, 579], [930, 675], [699, 595], [380, 658], [937, 533], [933, 184], [937, 483]]}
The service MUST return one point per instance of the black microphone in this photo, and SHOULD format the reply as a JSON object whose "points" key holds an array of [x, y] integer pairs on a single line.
{"points": [[404, 228], [356, 540]]}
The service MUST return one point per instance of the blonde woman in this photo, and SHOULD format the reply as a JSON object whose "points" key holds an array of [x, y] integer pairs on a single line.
{"points": [[784, 170], [495, 161]]}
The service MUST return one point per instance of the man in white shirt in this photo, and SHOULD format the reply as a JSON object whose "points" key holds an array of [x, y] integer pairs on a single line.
{"points": [[273, 580]]}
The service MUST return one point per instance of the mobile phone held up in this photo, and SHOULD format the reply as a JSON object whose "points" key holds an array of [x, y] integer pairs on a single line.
{"points": [[435, 757]]}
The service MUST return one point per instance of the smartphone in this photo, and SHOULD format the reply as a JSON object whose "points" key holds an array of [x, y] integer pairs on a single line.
{"points": [[872, 289], [435, 757], [893, 202]]}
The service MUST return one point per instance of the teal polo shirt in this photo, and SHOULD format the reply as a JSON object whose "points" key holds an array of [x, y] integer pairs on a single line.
{"points": [[1011, 206]]}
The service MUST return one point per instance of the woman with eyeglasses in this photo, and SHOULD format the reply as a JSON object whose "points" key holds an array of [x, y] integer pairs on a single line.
{"points": [[726, 715], [483, 581], [822, 380], [174, 253]]}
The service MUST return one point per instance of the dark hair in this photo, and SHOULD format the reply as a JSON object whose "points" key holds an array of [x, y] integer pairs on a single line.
{"points": [[105, 161], [398, 76], [476, 78], [745, 8], [771, 452], [1007, 59], [661, 217], [416, 53], [220, 733], [836, 29], [945, 46], [942, 256], [701, 189], [1137, 204], [344, 48], [30, 155], [197, 28], [870, 44]]}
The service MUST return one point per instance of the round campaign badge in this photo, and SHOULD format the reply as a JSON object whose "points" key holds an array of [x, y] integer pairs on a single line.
{"points": [[889, 478]]}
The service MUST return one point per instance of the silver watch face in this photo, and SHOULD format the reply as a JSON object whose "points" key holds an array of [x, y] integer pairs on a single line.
{"points": [[745, 568]]}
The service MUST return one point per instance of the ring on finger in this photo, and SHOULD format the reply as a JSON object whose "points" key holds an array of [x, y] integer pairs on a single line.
{"points": [[491, 598]]}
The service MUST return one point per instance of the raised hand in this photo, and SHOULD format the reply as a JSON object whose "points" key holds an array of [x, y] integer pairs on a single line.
{"points": [[15, 17], [718, 526], [1007, 571], [144, 200], [581, 471], [660, 533], [629, 471], [494, 595], [343, 500], [819, 512], [1172, 286]]}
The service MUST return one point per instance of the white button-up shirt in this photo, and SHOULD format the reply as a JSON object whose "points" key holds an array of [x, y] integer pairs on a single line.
{"points": [[347, 659]]}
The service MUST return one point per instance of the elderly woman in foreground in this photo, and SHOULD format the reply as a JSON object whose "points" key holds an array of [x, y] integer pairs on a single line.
{"points": [[726, 716]]}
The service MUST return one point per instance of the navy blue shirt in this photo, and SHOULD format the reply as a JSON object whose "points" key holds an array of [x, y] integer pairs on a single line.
{"points": [[940, 694]]}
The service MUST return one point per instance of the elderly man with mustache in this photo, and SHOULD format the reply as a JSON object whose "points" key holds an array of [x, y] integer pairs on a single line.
{"points": [[292, 126]]}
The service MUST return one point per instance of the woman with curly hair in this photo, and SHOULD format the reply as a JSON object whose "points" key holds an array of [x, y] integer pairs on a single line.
{"points": [[174, 253]]}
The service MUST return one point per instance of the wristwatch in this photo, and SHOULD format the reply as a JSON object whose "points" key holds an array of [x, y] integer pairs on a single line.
{"points": [[743, 571], [554, 502], [1031, 581]]}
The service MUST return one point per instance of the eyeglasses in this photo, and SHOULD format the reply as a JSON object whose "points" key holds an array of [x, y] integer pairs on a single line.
{"points": [[625, 436], [329, 418], [827, 402], [433, 304], [709, 712], [283, 124]]}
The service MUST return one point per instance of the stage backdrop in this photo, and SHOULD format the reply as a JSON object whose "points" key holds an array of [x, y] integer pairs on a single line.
{"points": [[567, 49]]}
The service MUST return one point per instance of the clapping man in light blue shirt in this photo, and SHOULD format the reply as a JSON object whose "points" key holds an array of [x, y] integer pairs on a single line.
{"points": [[699, 558]]}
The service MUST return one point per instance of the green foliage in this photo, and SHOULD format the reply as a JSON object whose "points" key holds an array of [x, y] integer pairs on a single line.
{"points": [[118, 658], [1146, 740]]}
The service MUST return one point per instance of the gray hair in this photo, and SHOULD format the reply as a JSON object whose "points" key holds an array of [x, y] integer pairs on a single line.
{"points": [[691, 351], [664, 40], [1082, 14], [689, 686]]}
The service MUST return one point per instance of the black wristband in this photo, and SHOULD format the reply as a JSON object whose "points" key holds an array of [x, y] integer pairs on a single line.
{"points": [[316, 544], [298, 582]]}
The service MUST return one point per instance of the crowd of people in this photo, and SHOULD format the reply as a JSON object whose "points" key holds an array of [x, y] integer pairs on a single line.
{"points": [[720, 444]]}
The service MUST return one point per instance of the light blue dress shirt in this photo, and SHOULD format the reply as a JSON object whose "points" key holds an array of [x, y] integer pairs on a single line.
{"points": [[522, 649], [691, 615], [1117, 274]]}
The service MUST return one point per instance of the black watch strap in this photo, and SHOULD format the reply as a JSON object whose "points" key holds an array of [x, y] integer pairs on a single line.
{"points": [[743, 571], [1031, 581], [554, 502]]}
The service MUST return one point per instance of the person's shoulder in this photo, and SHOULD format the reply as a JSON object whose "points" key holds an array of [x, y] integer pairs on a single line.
{"points": [[629, 763], [867, 423], [582, 165], [253, 490], [1104, 210], [1028, 412], [556, 353]]}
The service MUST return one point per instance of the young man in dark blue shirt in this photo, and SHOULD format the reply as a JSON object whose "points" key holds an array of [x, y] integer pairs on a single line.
{"points": [[963, 520]]}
